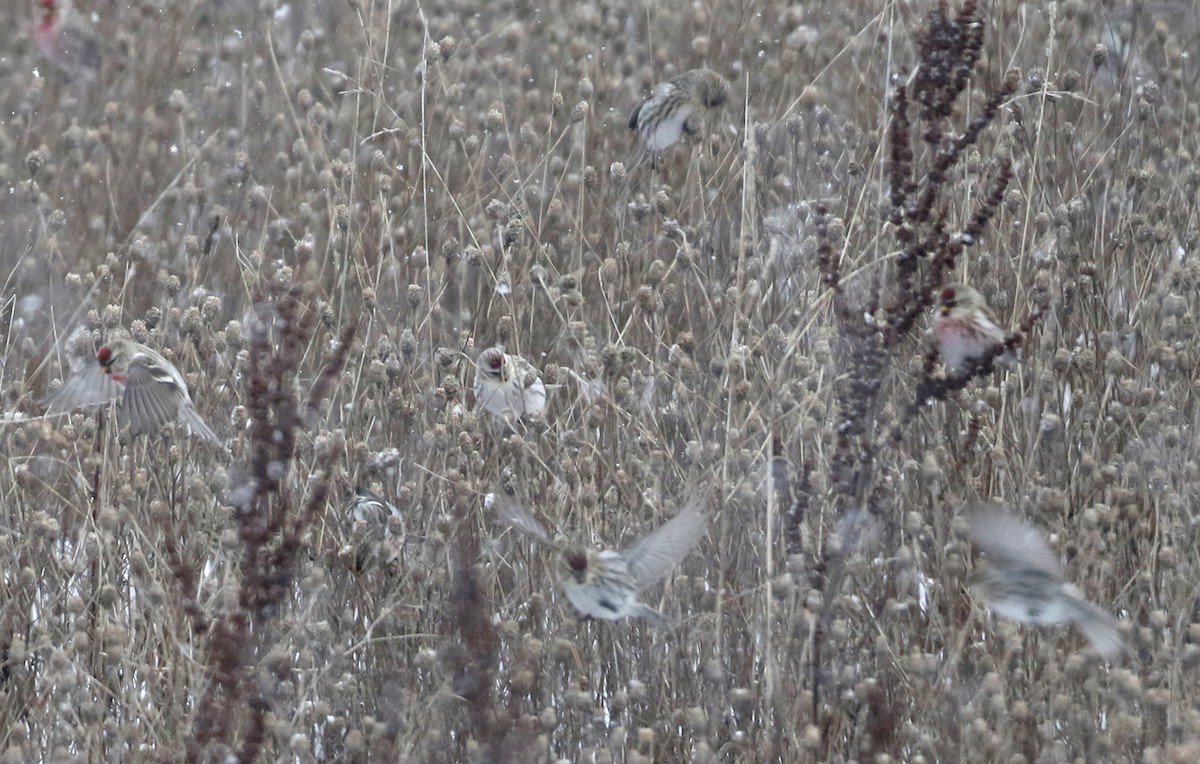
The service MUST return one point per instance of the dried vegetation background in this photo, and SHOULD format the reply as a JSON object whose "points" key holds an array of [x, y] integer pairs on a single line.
{"points": [[395, 188]]}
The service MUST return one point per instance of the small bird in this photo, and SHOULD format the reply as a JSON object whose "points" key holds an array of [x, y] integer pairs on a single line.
{"points": [[605, 583], [66, 42], [148, 389], [370, 510], [674, 108], [370, 517], [965, 329], [507, 386], [1024, 581]]}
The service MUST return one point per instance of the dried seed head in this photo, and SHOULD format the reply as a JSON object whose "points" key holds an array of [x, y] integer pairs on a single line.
{"points": [[34, 162], [494, 121]]}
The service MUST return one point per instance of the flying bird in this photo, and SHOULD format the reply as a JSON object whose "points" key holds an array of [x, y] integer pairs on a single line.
{"points": [[147, 388], [606, 583], [1022, 580]]}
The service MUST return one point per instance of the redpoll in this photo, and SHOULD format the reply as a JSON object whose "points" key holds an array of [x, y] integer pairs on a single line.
{"points": [[674, 108], [1023, 580], [507, 386], [965, 329], [65, 41], [605, 584], [148, 389], [369, 510], [371, 517]]}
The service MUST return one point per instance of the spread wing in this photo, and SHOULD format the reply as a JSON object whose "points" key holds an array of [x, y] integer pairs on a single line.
{"points": [[155, 397], [151, 400], [512, 512], [654, 556], [196, 424], [1010, 542], [88, 386]]}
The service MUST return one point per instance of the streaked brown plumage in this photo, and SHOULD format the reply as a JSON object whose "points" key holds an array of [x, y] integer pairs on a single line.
{"points": [[147, 388], [965, 329], [674, 108], [371, 519]]}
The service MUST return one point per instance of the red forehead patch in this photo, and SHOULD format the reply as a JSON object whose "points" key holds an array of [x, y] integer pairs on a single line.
{"points": [[496, 361], [948, 294], [577, 561], [104, 354]]}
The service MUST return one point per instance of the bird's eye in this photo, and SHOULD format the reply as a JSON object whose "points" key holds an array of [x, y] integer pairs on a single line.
{"points": [[577, 561], [104, 354]]}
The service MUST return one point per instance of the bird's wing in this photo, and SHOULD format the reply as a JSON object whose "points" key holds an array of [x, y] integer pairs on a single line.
{"points": [[88, 386], [1099, 627], [152, 400], [372, 510], [196, 424], [654, 556], [637, 111], [1008, 540], [165, 384], [514, 513]]}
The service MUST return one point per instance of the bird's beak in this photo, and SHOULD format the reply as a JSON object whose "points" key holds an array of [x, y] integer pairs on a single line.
{"points": [[944, 309]]}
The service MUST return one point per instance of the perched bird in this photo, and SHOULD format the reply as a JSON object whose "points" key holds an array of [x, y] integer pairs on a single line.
{"points": [[371, 517], [148, 389], [507, 386], [674, 108], [66, 42], [606, 583], [1024, 581], [369, 510], [965, 329]]}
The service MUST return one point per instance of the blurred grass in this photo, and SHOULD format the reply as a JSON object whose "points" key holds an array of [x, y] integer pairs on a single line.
{"points": [[393, 162]]}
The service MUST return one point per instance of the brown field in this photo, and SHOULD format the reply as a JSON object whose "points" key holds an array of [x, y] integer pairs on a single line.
{"points": [[309, 209]]}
